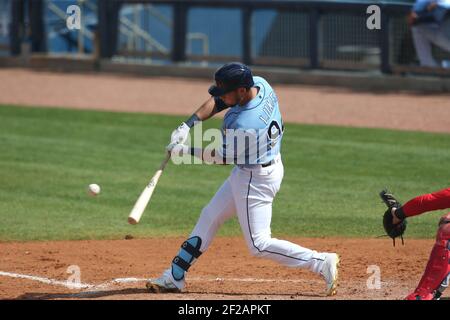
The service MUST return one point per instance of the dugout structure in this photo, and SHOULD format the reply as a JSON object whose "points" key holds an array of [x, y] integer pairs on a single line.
{"points": [[330, 35]]}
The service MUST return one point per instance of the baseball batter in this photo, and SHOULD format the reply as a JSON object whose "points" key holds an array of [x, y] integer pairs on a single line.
{"points": [[253, 183]]}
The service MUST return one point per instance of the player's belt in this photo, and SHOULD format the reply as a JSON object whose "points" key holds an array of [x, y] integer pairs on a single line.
{"points": [[275, 160], [268, 164]]}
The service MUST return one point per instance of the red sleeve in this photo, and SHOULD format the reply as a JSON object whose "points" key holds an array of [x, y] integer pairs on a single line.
{"points": [[428, 202]]}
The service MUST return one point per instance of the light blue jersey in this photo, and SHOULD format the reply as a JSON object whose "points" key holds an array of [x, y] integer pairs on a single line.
{"points": [[252, 133]]}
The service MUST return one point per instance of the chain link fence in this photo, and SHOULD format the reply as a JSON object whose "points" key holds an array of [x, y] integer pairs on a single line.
{"points": [[280, 38], [345, 42], [301, 34]]}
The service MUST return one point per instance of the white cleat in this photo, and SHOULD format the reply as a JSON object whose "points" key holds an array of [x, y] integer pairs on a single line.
{"points": [[162, 285], [330, 273]]}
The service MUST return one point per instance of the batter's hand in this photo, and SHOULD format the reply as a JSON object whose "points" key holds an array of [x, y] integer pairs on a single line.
{"points": [[177, 149], [180, 134]]}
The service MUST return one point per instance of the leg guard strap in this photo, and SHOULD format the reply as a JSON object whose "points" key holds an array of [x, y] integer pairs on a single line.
{"points": [[180, 262], [190, 250]]}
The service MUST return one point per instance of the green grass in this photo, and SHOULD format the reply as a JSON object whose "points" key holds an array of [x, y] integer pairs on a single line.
{"points": [[330, 188]]}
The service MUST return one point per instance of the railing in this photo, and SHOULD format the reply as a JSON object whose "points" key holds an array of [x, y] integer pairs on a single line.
{"points": [[132, 29], [83, 32], [303, 34]]}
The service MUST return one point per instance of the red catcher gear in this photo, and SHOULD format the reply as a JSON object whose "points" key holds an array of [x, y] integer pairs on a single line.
{"points": [[427, 202], [438, 267]]}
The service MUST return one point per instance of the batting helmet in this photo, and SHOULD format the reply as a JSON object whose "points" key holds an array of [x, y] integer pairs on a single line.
{"points": [[230, 77]]}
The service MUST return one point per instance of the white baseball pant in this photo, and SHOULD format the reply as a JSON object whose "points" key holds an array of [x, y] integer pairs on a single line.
{"points": [[249, 193]]}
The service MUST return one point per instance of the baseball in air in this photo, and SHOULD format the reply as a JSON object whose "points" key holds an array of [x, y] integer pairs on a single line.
{"points": [[94, 189]]}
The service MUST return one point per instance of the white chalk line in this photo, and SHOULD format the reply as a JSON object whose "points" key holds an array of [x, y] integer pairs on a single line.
{"points": [[70, 284], [108, 284], [91, 289], [67, 284]]}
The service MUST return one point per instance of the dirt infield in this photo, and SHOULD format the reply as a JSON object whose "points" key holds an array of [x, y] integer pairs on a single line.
{"points": [[225, 271], [301, 104]]}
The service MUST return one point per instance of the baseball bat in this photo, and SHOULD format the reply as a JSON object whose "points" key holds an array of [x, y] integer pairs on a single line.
{"points": [[144, 198]]}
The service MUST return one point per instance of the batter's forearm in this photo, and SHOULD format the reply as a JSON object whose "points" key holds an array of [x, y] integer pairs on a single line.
{"points": [[206, 111], [180, 134], [428, 202], [209, 156]]}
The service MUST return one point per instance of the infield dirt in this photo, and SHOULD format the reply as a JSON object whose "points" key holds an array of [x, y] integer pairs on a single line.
{"points": [[225, 271]]}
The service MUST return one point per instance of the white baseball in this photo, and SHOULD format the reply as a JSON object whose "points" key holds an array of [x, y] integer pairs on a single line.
{"points": [[94, 189]]}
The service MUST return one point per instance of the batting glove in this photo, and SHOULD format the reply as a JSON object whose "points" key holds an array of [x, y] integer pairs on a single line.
{"points": [[177, 149], [180, 134]]}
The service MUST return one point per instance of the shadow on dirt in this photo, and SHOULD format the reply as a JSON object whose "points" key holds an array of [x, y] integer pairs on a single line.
{"points": [[81, 295], [265, 294], [141, 291]]}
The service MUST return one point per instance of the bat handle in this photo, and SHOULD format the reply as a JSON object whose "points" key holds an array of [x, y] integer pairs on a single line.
{"points": [[165, 161]]}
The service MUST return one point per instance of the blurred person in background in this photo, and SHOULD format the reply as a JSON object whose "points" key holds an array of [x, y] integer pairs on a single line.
{"points": [[426, 21], [4, 18]]}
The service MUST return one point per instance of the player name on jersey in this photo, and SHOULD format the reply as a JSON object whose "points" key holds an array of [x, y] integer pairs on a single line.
{"points": [[268, 106]]}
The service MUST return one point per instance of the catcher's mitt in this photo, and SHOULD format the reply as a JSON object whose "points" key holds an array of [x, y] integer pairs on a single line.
{"points": [[392, 230]]}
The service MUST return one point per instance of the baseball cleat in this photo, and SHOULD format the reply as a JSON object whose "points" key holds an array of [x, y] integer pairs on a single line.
{"points": [[330, 273], [421, 296], [161, 285]]}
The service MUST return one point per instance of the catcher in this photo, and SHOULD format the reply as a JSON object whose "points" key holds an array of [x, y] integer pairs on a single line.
{"points": [[437, 273]]}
